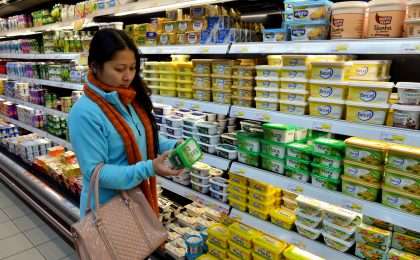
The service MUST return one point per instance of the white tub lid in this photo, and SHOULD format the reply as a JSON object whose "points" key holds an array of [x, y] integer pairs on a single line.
{"points": [[270, 100], [208, 145], [298, 68], [267, 89], [293, 103], [294, 80], [349, 4], [268, 67], [408, 85], [406, 108], [326, 100], [369, 105], [329, 82], [371, 62], [371, 84], [331, 63], [294, 91], [268, 78]]}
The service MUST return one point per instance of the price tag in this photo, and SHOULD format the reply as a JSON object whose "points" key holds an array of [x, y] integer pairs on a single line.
{"points": [[239, 114], [205, 50], [321, 126], [78, 24], [342, 47], [244, 50], [393, 138], [353, 206], [410, 48], [264, 117], [295, 188], [297, 242]]}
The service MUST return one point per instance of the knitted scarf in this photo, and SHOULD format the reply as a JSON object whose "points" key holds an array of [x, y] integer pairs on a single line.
{"points": [[127, 96]]}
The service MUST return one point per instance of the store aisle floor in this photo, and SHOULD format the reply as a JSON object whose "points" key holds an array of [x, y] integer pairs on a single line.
{"points": [[24, 236]]}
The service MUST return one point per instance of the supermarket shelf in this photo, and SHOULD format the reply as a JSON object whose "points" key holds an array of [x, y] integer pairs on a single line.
{"points": [[371, 209], [37, 131], [40, 56], [192, 104], [377, 132], [42, 108], [188, 193], [58, 84], [365, 46], [216, 161], [185, 49], [311, 246]]}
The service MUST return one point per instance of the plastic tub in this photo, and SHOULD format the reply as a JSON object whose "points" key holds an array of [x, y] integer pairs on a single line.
{"points": [[223, 67], [238, 252], [267, 93], [206, 128], [296, 164], [324, 107], [242, 235], [370, 70], [283, 218], [336, 90], [268, 82], [275, 149], [269, 247], [243, 71], [173, 121], [348, 20], [308, 232], [363, 171], [406, 116], [268, 71], [184, 84], [200, 179], [274, 35], [269, 195], [259, 213], [328, 161], [336, 243], [243, 82], [278, 133], [292, 72], [174, 131], [219, 184], [248, 141], [300, 151], [242, 101], [403, 181], [199, 187], [208, 139], [412, 27], [338, 231], [222, 96], [202, 94], [266, 104], [329, 146], [294, 84], [201, 169], [238, 179], [310, 206], [272, 163], [370, 92], [409, 93], [330, 70], [226, 151], [359, 112], [218, 235], [207, 148], [293, 95], [300, 175], [221, 82], [293, 107], [400, 200], [218, 195], [167, 92], [185, 93], [404, 158], [386, 18], [201, 81], [216, 251], [310, 30], [373, 236], [261, 186], [241, 197], [360, 189], [324, 182], [167, 75], [294, 252], [308, 220], [250, 158], [365, 251], [202, 66], [242, 92]]}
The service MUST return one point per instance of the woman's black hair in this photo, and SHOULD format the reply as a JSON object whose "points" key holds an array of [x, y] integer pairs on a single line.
{"points": [[104, 45]]}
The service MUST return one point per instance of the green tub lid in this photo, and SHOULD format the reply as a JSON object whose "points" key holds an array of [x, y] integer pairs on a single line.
{"points": [[326, 179], [337, 158], [305, 148], [269, 157], [272, 143], [277, 126], [248, 152], [319, 166], [334, 143], [243, 134]]}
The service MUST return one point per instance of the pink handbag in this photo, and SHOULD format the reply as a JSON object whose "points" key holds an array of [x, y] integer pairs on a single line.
{"points": [[125, 228]]}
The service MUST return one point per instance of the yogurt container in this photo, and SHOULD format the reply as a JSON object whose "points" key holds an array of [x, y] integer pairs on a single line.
{"points": [[324, 107], [370, 92], [294, 84], [278, 133], [247, 157], [360, 189], [363, 171], [293, 95], [268, 82], [386, 18], [266, 104], [294, 72], [337, 243], [275, 149], [226, 151], [336, 90], [348, 19], [311, 10], [242, 235], [268, 93], [370, 70], [366, 151], [404, 158], [310, 30], [406, 242], [360, 112], [272, 163], [293, 107], [406, 116], [306, 231], [403, 181], [330, 70], [268, 71], [409, 93]]}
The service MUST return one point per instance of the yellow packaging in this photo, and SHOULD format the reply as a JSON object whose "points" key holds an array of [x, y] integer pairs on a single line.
{"points": [[328, 89], [167, 66], [223, 67], [404, 158], [268, 71], [184, 67], [222, 96], [152, 82], [185, 93], [201, 81], [246, 82], [243, 71], [283, 217], [293, 107], [242, 235], [247, 92], [167, 83], [294, 72], [167, 39], [186, 84], [370, 92], [359, 112], [275, 60], [193, 37], [202, 94], [239, 205], [170, 75], [269, 93], [199, 25], [217, 251], [233, 257], [261, 186], [335, 71], [170, 27], [263, 196], [181, 38], [242, 101], [202, 66], [151, 74], [238, 185], [152, 65], [290, 194], [293, 95], [206, 257], [167, 92], [238, 179], [295, 253], [184, 26], [184, 76], [268, 82], [266, 104], [261, 205], [256, 256], [259, 213], [371, 70], [221, 82], [269, 248], [242, 197], [218, 235], [295, 84], [323, 107]]}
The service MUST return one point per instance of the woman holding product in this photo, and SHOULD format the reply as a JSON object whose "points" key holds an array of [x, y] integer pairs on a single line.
{"points": [[113, 124]]}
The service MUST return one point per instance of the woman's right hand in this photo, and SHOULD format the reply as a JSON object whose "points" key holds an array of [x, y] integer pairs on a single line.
{"points": [[162, 169]]}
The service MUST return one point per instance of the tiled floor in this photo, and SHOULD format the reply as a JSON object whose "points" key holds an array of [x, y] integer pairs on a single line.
{"points": [[24, 236]]}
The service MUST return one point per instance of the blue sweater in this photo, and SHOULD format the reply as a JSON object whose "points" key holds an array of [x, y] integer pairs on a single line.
{"points": [[94, 140]]}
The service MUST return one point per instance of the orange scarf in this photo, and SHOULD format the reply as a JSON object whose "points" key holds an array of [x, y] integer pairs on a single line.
{"points": [[127, 96]]}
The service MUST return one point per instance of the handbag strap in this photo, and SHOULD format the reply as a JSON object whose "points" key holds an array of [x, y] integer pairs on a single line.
{"points": [[93, 182]]}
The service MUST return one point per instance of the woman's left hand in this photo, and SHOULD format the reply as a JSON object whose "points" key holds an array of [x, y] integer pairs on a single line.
{"points": [[162, 169]]}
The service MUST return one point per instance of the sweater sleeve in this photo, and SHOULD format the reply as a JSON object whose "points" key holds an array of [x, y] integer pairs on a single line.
{"points": [[165, 144], [91, 147]]}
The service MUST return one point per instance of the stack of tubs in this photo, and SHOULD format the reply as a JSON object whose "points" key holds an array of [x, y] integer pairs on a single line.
{"points": [[222, 80], [167, 78], [202, 79], [243, 84], [268, 84], [184, 81], [151, 76]]}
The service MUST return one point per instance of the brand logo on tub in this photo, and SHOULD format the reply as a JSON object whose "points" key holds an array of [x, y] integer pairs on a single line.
{"points": [[398, 161], [325, 91], [338, 22], [362, 71], [384, 20], [368, 95], [326, 73], [301, 13], [325, 110], [352, 171], [298, 32], [365, 115], [396, 181], [291, 108]]}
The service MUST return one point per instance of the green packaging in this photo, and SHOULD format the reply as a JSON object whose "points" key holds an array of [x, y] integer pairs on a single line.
{"points": [[297, 164], [298, 175], [300, 151], [247, 157], [272, 163], [327, 172], [363, 172], [328, 161], [185, 154], [360, 189], [278, 133], [324, 182], [248, 141], [277, 150], [329, 146]]}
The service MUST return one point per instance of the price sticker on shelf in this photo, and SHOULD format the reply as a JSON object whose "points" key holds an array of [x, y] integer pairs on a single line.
{"points": [[239, 114], [321, 126], [264, 117], [295, 188], [297, 242], [244, 50], [342, 47], [353, 206], [205, 50], [393, 138], [410, 48]]}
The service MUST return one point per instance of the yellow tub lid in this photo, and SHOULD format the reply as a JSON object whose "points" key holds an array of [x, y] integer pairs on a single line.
{"points": [[242, 77], [261, 211], [218, 230], [152, 63], [294, 80], [294, 91], [167, 89], [326, 100], [207, 257], [410, 151], [405, 174], [153, 87], [370, 84], [364, 165], [284, 215], [360, 182], [221, 76], [324, 82], [243, 230], [368, 105], [168, 72], [374, 230], [268, 67], [367, 143], [242, 98], [295, 253], [270, 242], [184, 64], [267, 79]]}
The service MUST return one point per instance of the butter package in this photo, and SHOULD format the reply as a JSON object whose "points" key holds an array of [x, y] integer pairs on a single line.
{"points": [[404, 158], [395, 254], [242, 235], [406, 243], [311, 10], [366, 151], [334, 71], [365, 251], [373, 236], [311, 30], [239, 252], [268, 247], [218, 235]]}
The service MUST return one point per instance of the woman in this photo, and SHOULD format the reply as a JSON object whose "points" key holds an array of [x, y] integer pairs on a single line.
{"points": [[113, 123]]}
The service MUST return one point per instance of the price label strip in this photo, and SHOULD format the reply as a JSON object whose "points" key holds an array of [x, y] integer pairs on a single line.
{"points": [[321, 126], [393, 138]]}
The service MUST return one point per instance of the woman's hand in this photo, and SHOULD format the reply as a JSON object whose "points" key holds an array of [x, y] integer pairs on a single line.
{"points": [[162, 169]]}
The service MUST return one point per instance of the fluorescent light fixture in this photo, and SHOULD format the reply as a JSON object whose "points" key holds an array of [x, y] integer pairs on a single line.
{"points": [[170, 6]]}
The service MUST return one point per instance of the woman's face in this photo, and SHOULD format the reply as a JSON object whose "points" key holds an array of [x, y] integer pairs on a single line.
{"points": [[120, 71]]}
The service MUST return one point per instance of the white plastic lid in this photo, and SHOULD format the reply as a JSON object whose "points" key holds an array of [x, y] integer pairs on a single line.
{"points": [[267, 78], [408, 85], [270, 100], [327, 82], [266, 89], [406, 108], [294, 91], [370, 84], [326, 100], [293, 103], [268, 67], [298, 68], [369, 105], [386, 5], [349, 4], [294, 80]]}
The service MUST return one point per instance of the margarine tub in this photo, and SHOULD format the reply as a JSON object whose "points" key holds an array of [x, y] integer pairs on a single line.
{"points": [[342, 217], [269, 93], [267, 104], [293, 107], [311, 233], [185, 92], [151, 65], [348, 19], [328, 89], [243, 235], [370, 92], [167, 66], [151, 74], [404, 158], [360, 189], [201, 80], [223, 67], [363, 171], [269, 247], [386, 18], [293, 72], [243, 71], [242, 92], [337, 243], [272, 163], [294, 84], [247, 82], [295, 253], [202, 66], [167, 92], [366, 113], [268, 71], [239, 251], [167, 83], [221, 82], [242, 101], [366, 151], [167, 75], [311, 10], [330, 70], [303, 60], [309, 30], [370, 70], [293, 95], [222, 96], [412, 27], [268, 82], [275, 60], [283, 217], [324, 107], [395, 254], [202, 94], [402, 181], [218, 235], [241, 197]]}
